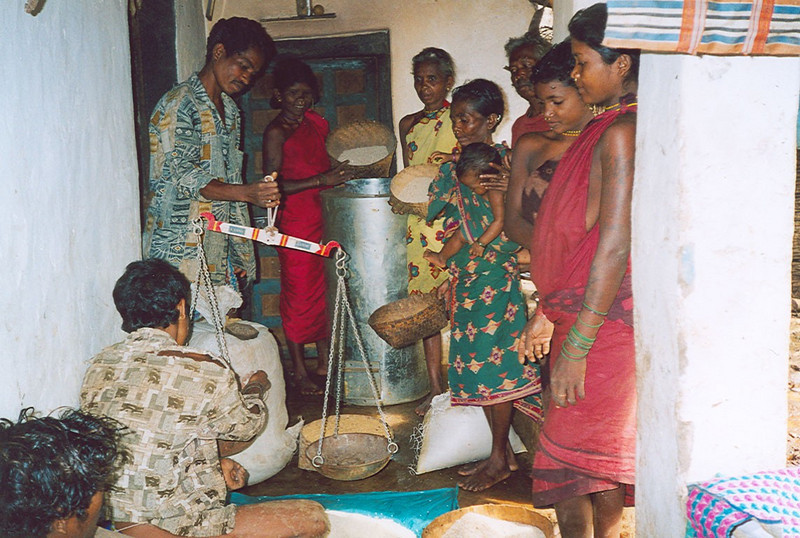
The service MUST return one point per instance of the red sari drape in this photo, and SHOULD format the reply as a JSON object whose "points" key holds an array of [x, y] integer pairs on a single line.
{"points": [[303, 306], [588, 447]]}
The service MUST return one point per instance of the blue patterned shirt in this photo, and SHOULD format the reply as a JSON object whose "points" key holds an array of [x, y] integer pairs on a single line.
{"points": [[190, 145]]}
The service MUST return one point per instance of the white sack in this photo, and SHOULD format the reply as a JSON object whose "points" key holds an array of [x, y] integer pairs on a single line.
{"points": [[455, 435], [227, 299], [273, 449]]}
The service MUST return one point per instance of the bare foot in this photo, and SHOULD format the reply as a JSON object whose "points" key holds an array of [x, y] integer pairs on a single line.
{"points": [[322, 369], [470, 468], [511, 458], [487, 475], [423, 407], [435, 258], [306, 386]]}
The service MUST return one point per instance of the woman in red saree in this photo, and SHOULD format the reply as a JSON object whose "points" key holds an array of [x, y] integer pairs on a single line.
{"points": [[581, 241], [294, 145]]}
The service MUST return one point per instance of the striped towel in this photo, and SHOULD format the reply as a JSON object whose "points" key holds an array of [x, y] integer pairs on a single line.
{"points": [[724, 27], [716, 507]]}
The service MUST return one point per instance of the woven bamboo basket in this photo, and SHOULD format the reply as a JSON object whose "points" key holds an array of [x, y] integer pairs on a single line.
{"points": [[506, 512], [363, 134], [403, 322], [408, 192]]}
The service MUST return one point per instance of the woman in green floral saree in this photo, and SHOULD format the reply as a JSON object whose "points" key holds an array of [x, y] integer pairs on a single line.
{"points": [[487, 308]]}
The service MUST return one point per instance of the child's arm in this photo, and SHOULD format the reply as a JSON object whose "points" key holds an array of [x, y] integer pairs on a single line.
{"points": [[497, 203], [450, 248]]}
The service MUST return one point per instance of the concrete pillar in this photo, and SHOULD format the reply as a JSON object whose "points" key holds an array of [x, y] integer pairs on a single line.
{"points": [[712, 233]]}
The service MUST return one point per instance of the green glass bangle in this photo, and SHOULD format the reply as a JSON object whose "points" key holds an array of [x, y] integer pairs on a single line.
{"points": [[574, 330], [589, 325], [593, 311], [583, 349], [580, 346], [581, 359], [579, 338], [572, 355]]}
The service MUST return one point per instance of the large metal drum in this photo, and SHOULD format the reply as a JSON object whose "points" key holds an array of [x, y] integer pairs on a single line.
{"points": [[358, 216]]}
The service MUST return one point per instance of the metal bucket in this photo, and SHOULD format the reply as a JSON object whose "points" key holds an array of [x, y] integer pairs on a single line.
{"points": [[358, 216]]}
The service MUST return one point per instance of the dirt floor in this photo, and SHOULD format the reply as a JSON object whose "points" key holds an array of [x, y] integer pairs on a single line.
{"points": [[793, 445], [397, 476], [514, 490]]}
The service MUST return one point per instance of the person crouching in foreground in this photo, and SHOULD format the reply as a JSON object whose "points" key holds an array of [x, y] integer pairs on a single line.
{"points": [[54, 473], [180, 405]]}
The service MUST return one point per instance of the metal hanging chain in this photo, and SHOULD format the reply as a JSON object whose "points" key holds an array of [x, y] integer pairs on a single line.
{"points": [[342, 306], [204, 279], [392, 446], [335, 356]]}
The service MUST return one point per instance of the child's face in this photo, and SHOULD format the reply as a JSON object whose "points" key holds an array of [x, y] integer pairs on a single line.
{"points": [[471, 178]]}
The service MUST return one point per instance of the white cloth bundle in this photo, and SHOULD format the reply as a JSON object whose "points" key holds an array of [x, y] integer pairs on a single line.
{"points": [[273, 449], [227, 298]]}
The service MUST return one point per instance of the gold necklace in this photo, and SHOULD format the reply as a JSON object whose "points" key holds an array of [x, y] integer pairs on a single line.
{"points": [[573, 132], [618, 105]]}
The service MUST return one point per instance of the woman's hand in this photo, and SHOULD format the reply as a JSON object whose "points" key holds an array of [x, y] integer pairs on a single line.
{"points": [[476, 250], [440, 157], [337, 175], [566, 381], [499, 180], [523, 258], [443, 289], [534, 342]]}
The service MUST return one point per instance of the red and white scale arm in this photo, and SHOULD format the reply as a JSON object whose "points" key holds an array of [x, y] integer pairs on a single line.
{"points": [[269, 236]]}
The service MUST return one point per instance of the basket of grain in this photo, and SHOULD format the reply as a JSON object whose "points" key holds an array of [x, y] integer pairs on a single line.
{"points": [[403, 322], [368, 146], [490, 521], [408, 192]]}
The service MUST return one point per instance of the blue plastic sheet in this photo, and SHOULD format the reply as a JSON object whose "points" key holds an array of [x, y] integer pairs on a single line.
{"points": [[412, 509]]}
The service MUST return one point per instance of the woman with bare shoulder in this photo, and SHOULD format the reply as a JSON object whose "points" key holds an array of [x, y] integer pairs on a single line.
{"points": [[581, 265], [294, 147]]}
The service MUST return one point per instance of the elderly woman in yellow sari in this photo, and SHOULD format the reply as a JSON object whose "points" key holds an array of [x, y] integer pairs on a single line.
{"points": [[427, 135]]}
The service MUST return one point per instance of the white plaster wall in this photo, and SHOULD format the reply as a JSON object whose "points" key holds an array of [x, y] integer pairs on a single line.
{"points": [[713, 224], [69, 198], [563, 12], [190, 37], [472, 32]]}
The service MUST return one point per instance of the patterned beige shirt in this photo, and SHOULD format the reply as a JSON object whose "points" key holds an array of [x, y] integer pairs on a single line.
{"points": [[177, 402]]}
